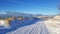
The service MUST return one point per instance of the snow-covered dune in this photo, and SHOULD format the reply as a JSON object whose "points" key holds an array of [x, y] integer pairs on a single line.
{"points": [[37, 28], [53, 26]]}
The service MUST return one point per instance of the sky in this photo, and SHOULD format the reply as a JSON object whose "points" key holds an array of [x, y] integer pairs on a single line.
{"points": [[45, 7]]}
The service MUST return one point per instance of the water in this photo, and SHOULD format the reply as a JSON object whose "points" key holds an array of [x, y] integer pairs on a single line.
{"points": [[18, 24]]}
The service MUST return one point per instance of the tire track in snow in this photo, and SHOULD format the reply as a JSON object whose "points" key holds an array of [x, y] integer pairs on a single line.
{"points": [[37, 28]]}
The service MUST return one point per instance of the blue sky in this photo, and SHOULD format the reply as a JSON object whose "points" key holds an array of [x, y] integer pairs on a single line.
{"points": [[45, 7]]}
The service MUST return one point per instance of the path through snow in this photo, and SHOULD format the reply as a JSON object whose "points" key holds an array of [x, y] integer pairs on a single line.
{"points": [[37, 28]]}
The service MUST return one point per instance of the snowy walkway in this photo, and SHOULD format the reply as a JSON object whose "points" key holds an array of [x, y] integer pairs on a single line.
{"points": [[37, 28]]}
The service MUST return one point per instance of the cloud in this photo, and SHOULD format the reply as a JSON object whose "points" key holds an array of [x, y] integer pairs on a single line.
{"points": [[3, 12]]}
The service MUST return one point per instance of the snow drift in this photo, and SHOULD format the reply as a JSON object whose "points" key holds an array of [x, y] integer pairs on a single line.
{"points": [[53, 26]]}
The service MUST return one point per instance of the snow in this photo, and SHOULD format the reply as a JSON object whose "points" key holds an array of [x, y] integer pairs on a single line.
{"points": [[18, 24], [53, 26], [37, 28], [57, 17], [50, 26], [2, 23]]}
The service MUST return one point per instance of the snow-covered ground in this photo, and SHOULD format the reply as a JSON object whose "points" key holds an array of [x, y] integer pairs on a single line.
{"points": [[50, 26], [37, 28], [53, 26]]}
